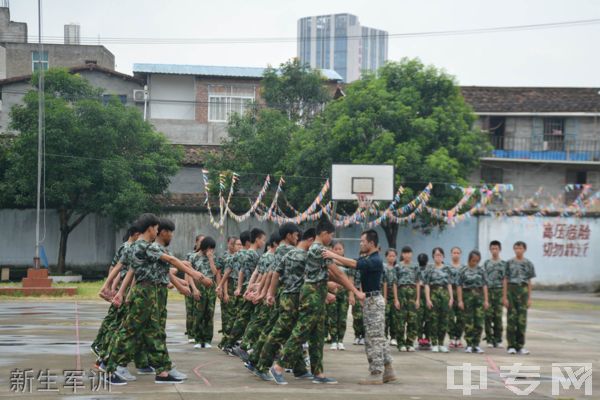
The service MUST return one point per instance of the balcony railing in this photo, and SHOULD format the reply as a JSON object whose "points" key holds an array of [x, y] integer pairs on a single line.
{"points": [[550, 147]]}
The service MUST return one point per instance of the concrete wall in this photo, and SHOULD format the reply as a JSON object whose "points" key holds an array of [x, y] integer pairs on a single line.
{"points": [[2, 62], [18, 56], [11, 31], [172, 97]]}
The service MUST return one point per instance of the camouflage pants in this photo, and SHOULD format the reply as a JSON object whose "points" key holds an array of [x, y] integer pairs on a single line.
{"points": [[423, 319], [407, 316], [357, 320], [439, 315], [189, 317], [473, 301], [228, 311], [288, 316], [376, 345], [273, 316], [245, 309], [516, 320], [204, 312], [108, 321], [143, 326], [391, 319], [310, 327], [493, 317], [259, 318], [337, 315], [456, 323]]}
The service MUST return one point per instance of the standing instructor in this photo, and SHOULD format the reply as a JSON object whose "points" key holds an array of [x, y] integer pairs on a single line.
{"points": [[371, 270]]}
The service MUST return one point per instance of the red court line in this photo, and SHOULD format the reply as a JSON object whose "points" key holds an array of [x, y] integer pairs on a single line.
{"points": [[77, 352], [199, 375]]}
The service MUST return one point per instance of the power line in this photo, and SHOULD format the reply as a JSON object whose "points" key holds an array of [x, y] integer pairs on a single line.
{"points": [[258, 40]]}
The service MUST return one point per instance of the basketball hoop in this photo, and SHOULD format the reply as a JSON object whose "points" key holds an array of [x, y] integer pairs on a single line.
{"points": [[364, 200]]}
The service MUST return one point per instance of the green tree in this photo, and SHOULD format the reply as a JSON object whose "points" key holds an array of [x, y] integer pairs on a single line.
{"points": [[101, 159]]}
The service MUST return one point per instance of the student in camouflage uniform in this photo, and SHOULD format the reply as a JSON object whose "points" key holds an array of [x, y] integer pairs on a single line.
{"points": [[376, 346], [204, 307], [388, 284], [495, 269], [423, 313], [337, 312], [516, 297], [456, 324], [149, 264], [310, 326], [438, 292], [289, 234], [473, 300], [247, 261], [189, 301], [407, 300], [225, 289]]}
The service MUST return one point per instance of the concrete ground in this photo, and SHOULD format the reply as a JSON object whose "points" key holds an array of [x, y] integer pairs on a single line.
{"points": [[56, 335]]}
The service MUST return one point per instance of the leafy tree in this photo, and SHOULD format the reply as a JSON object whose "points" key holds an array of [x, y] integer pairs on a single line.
{"points": [[101, 159]]}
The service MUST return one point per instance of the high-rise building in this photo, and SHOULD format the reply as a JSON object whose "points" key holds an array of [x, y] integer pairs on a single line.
{"points": [[72, 34], [339, 42]]}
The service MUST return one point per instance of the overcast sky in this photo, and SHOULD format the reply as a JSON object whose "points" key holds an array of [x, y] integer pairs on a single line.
{"points": [[557, 57]]}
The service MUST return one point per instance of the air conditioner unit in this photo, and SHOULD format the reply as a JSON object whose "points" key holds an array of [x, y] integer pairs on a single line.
{"points": [[139, 96]]}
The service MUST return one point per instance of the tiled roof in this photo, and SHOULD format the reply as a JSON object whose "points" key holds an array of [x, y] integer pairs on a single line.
{"points": [[211, 70], [79, 68], [531, 99]]}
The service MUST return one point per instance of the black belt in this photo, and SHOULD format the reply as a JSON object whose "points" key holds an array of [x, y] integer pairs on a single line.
{"points": [[475, 289], [436, 287], [373, 293], [407, 285]]}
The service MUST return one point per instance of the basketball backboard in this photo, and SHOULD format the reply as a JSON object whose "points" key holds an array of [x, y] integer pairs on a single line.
{"points": [[350, 180]]}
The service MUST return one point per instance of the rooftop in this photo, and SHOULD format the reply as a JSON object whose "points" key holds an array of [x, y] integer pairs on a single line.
{"points": [[211, 70]]}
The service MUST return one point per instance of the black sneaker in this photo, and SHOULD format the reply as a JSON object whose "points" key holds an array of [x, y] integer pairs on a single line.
{"points": [[167, 379], [114, 379]]}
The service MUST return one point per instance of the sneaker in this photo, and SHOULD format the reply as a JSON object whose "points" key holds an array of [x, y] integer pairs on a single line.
{"points": [[402, 348], [324, 380], [499, 345], [304, 376], [191, 340], [177, 374], [372, 379], [229, 351], [394, 342], [478, 350], [265, 376], [145, 371], [512, 350], [100, 366], [341, 346], [250, 367], [469, 349], [361, 341], [167, 379], [288, 370], [278, 378], [198, 346], [94, 350], [334, 346], [523, 352], [443, 349], [123, 372], [114, 379], [356, 341], [207, 345], [410, 349], [307, 361], [490, 345], [435, 349]]}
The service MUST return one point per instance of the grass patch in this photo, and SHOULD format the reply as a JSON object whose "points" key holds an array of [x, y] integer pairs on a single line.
{"points": [[564, 305]]}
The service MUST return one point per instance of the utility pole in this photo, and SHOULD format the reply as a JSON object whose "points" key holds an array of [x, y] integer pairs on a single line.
{"points": [[41, 109]]}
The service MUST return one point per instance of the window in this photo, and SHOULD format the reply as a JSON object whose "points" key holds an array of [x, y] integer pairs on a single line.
{"points": [[575, 177], [36, 62], [495, 126], [225, 100], [106, 98], [554, 134], [492, 175]]}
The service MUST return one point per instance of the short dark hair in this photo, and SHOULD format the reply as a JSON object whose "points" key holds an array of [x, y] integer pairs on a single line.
{"points": [[166, 225], [255, 233], [406, 249], [273, 239], [520, 243], [132, 230], [372, 236], [325, 226], [391, 250], [474, 253], [207, 243], [288, 228], [437, 249], [308, 234], [422, 259], [147, 220], [496, 243], [245, 237], [456, 247]]}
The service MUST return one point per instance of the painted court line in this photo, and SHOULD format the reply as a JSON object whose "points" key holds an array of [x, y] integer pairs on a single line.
{"points": [[77, 351], [199, 375]]}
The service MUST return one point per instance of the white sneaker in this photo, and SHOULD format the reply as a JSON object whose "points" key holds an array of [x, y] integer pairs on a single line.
{"points": [[435, 349], [410, 349], [341, 346], [469, 349], [443, 349], [356, 341], [523, 351], [511, 351], [402, 348], [499, 345], [124, 373], [191, 340], [394, 342], [207, 346], [198, 346], [361, 342], [478, 350], [490, 345], [176, 374], [334, 346]]}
